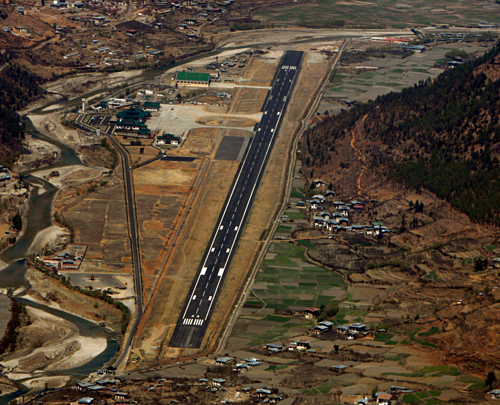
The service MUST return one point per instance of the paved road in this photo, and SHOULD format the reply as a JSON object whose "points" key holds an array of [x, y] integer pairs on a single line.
{"points": [[133, 245], [199, 305]]}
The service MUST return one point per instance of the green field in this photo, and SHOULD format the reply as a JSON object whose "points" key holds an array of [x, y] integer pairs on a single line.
{"points": [[377, 13], [290, 280]]}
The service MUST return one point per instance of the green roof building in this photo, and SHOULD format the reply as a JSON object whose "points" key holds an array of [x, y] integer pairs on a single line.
{"points": [[193, 79], [134, 113], [151, 106]]}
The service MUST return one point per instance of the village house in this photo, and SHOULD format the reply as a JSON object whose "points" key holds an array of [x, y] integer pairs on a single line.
{"points": [[303, 345], [274, 347], [328, 324], [224, 360], [241, 367], [311, 313], [263, 392], [383, 398], [218, 381], [320, 329], [121, 396], [168, 139], [357, 327]]}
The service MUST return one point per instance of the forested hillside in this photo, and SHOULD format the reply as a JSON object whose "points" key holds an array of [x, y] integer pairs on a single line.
{"points": [[17, 87], [443, 135]]}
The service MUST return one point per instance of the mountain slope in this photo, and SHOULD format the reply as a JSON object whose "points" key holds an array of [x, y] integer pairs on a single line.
{"points": [[17, 87], [443, 135]]}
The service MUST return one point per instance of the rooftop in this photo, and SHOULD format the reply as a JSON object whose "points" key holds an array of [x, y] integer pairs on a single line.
{"points": [[193, 76]]}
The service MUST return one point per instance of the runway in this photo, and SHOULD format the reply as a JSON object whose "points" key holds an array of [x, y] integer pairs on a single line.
{"points": [[198, 308]]}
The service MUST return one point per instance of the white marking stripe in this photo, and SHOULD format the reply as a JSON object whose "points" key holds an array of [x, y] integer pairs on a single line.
{"points": [[221, 272], [203, 271]]}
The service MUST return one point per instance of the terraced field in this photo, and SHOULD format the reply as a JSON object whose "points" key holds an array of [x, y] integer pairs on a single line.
{"points": [[287, 280]]}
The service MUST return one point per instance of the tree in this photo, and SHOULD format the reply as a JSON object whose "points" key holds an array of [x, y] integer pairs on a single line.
{"points": [[17, 222], [490, 379], [403, 223], [336, 348]]}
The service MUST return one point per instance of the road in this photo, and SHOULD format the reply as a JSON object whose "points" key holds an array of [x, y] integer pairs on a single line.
{"points": [[198, 308], [129, 191]]}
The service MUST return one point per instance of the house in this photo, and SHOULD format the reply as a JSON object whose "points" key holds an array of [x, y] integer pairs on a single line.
{"points": [[203, 381], [96, 388], [339, 368], [121, 396], [300, 204], [151, 106], [318, 183], [330, 224], [320, 329], [132, 33], [107, 381], [311, 313], [192, 79], [224, 360], [86, 400], [324, 215], [274, 347], [70, 55], [168, 139], [344, 210], [20, 10], [357, 327], [383, 398], [318, 221], [319, 197], [328, 324], [303, 345], [242, 367], [82, 385], [495, 394], [263, 392], [218, 381]]}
